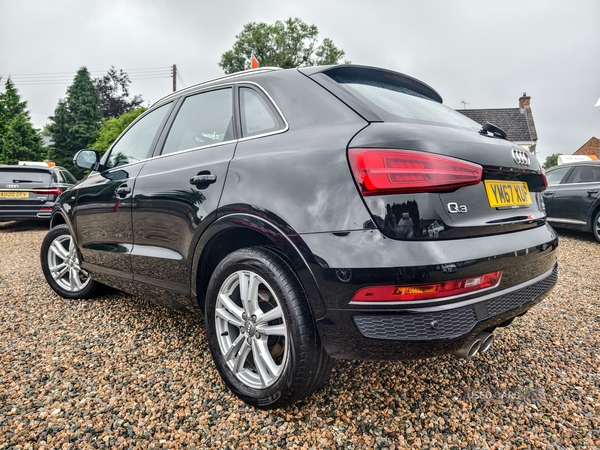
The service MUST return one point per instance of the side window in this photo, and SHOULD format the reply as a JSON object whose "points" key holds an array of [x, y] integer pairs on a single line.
{"points": [[554, 176], [257, 116], [585, 174], [203, 119], [68, 177], [134, 144]]}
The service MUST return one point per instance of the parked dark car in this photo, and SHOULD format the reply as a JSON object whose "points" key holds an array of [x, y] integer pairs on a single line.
{"points": [[311, 214], [29, 192], [573, 196]]}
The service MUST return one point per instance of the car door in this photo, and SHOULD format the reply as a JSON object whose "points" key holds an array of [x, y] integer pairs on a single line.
{"points": [[102, 210], [177, 193], [574, 198], [554, 177]]}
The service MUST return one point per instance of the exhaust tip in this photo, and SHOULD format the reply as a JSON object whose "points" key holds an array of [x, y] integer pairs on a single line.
{"points": [[487, 339], [474, 349], [469, 350]]}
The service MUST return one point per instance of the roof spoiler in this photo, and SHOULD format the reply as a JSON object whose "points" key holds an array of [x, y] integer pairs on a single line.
{"points": [[377, 75]]}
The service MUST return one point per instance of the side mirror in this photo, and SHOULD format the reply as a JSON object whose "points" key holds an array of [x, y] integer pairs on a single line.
{"points": [[87, 159]]}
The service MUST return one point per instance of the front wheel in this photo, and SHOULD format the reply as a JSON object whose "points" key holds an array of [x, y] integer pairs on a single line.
{"points": [[596, 226], [261, 332], [60, 264]]}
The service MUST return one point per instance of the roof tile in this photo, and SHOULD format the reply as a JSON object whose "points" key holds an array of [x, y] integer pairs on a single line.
{"points": [[517, 123]]}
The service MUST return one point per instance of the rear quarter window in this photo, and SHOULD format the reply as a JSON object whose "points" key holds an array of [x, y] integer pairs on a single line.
{"points": [[257, 116]]}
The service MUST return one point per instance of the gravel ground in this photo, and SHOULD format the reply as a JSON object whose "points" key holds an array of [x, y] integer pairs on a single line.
{"points": [[118, 372]]}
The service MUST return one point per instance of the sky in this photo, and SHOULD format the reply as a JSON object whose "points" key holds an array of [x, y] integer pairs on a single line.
{"points": [[486, 53]]}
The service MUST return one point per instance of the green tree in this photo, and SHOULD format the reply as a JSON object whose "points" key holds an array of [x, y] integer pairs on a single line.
{"points": [[288, 44], [19, 140], [113, 127], [551, 161], [76, 121]]}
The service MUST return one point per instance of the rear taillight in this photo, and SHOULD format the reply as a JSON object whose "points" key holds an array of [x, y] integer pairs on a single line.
{"points": [[386, 294], [545, 181], [48, 191], [384, 171]]}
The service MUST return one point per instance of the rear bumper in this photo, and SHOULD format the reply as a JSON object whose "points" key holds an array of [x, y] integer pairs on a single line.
{"points": [[426, 332], [415, 330], [39, 212]]}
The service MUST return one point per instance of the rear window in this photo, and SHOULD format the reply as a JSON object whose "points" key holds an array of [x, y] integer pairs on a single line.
{"points": [[14, 176], [396, 103]]}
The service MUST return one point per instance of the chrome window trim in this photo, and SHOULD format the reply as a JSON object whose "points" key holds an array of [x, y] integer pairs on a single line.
{"points": [[576, 184], [216, 87], [224, 77], [270, 133], [218, 144]]}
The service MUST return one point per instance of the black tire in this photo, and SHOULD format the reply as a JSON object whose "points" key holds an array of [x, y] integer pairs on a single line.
{"points": [[596, 226], [294, 363], [60, 264]]}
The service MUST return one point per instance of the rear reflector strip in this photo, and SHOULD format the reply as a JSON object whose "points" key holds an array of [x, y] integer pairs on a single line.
{"points": [[47, 191], [385, 171], [452, 288]]}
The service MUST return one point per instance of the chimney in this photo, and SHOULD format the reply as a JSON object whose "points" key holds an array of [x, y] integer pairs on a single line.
{"points": [[524, 101]]}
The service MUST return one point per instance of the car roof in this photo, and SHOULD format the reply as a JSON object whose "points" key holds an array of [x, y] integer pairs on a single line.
{"points": [[576, 163], [217, 80], [248, 75], [23, 168]]}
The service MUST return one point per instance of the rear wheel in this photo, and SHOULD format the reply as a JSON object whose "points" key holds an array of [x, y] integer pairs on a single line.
{"points": [[596, 226], [60, 264], [261, 332]]}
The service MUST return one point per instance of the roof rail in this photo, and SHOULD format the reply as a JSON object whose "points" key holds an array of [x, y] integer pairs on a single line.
{"points": [[224, 77]]}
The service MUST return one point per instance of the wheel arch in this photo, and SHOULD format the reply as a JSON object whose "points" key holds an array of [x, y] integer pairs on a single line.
{"points": [[595, 210], [241, 230], [58, 219]]}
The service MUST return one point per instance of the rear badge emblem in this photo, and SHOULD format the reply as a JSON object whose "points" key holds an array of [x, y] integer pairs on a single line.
{"points": [[521, 157], [455, 208], [12, 186]]}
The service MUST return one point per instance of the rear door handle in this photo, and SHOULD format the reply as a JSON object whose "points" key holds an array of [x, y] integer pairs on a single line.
{"points": [[593, 191], [205, 178], [548, 193], [123, 190]]}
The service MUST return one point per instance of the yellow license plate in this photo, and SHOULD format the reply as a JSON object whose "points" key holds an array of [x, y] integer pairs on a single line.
{"points": [[507, 193], [13, 194]]}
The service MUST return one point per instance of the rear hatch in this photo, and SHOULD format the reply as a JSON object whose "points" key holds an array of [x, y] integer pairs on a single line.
{"points": [[26, 186], [426, 171]]}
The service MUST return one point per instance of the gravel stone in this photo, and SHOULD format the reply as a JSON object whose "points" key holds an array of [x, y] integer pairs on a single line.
{"points": [[120, 372]]}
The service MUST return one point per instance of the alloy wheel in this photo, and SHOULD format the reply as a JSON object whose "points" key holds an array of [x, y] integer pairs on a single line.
{"points": [[64, 265], [251, 329]]}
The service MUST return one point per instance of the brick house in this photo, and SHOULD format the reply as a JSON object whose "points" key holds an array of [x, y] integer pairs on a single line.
{"points": [[516, 122], [590, 148]]}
